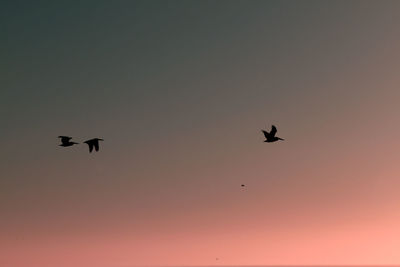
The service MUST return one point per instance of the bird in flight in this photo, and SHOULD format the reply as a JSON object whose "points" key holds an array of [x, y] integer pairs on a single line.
{"points": [[93, 143], [270, 137], [65, 141]]}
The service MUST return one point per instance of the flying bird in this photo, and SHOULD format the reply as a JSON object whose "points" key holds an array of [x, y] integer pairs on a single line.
{"points": [[93, 143], [270, 137], [65, 141]]}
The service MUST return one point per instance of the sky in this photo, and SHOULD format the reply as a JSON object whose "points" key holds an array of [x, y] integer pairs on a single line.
{"points": [[179, 91]]}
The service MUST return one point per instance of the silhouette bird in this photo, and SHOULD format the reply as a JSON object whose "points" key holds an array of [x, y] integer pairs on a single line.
{"points": [[270, 137], [93, 143], [65, 141]]}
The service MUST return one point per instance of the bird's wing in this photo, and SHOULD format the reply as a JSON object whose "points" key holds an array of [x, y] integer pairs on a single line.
{"points": [[90, 147], [266, 134], [90, 144], [96, 145], [273, 131]]}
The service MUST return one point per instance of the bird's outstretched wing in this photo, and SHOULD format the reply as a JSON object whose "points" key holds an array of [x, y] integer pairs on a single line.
{"points": [[266, 134], [90, 144], [96, 145], [273, 131]]}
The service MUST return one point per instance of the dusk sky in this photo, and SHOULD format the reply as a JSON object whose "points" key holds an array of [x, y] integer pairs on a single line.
{"points": [[179, 91]]}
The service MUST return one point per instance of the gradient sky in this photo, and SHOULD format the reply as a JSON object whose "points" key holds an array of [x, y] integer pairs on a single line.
{"points": [[180, 90]]}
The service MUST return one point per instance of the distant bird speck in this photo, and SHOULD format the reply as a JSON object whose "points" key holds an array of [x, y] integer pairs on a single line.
{"points": [[65, 141], [93, 143], [270, 137]]}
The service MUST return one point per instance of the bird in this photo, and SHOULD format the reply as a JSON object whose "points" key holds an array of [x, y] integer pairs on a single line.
{"points": [[93, 143], [65, 141], [270, 137]]}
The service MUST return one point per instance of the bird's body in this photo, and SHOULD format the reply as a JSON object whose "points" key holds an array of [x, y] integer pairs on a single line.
{"points": [[270, 136], [93, 143], [65, 141]]}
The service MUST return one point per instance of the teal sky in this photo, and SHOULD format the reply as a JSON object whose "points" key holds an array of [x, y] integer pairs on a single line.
{"points": [[180, 90]]}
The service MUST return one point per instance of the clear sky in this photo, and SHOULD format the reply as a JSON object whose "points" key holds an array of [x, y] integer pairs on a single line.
{"points": [[180, 90]]}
